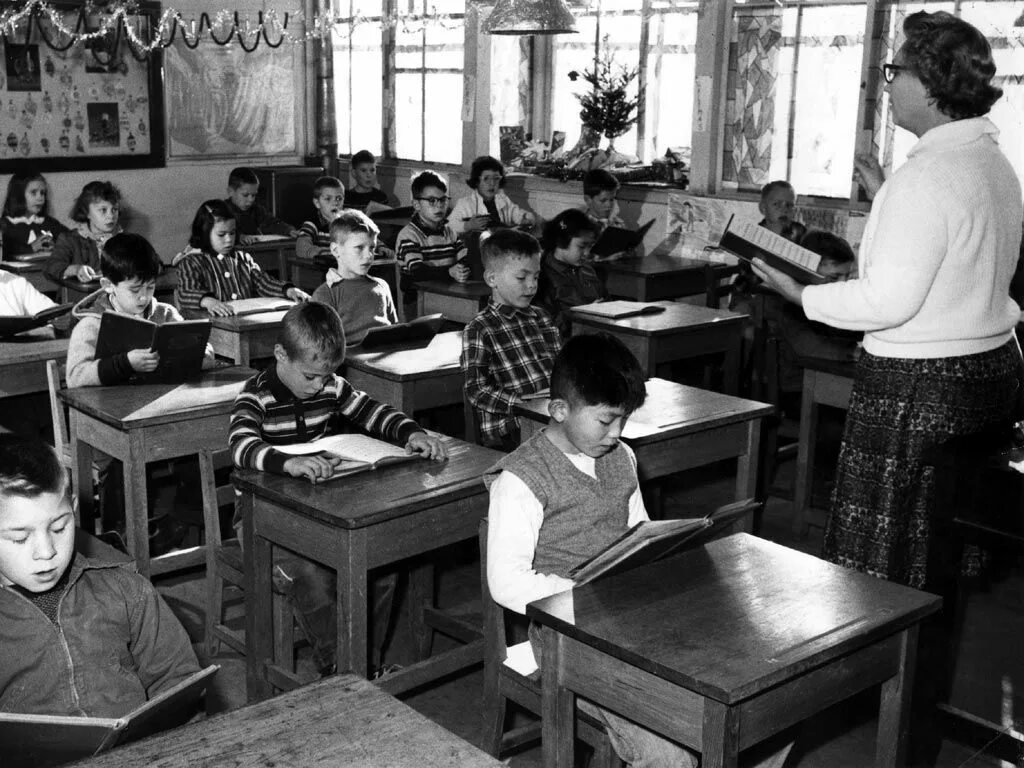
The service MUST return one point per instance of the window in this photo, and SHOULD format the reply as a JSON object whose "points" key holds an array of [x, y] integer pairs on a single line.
{"points": [[658, 39], [398, 79]]}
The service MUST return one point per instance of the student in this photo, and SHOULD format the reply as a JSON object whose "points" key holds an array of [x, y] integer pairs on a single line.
{"points": [[487, 206], [300, 398], [600, 188], [214, 272], [78, 636], [313, 242], [361, 300], [777, 205], [567, 278], [507, 349], [129, 267], [251, 218], [18, 297], [428, 248], [27, 225], [364, 171], [76, 253]]}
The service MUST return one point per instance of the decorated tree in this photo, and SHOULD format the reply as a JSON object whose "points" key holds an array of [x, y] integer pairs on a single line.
{"points": [[607, 108]]}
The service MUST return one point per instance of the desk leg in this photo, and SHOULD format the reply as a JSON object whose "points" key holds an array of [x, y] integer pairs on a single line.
{"points": [[731, 367], [558, 721], [807, 440], [352, 603], [721, 736], [421, 597], [894, 713], [81, 478], [136, 504], [243, 352], [258, 561], [747, 468]]}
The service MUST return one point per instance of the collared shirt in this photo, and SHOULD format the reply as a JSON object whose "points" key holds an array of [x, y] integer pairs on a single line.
{"points": [[507, 352], [266, 413], [225, 278]]}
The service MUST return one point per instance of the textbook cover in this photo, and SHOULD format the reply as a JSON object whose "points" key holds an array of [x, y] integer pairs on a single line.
{"points": [[12, 324], [415, 333], [617, 239], [181, 345]]}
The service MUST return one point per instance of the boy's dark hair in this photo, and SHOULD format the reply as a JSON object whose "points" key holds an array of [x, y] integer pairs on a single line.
{"points": [[560, 231], [953, 61], [29, 468], [425, 179], [126, 256], [91, 192], [362, 157], [14, 205], [312, 329], [209, 213], [771, 186], [242, 175], [829, 246], [507, 244], [326, 182], [597, 181], [598, 369], [349, 221], [481, 164]]}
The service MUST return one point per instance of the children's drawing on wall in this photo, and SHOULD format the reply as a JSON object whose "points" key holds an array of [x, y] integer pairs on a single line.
{"points": [[224, 101], [22, 67], [698, 219]]}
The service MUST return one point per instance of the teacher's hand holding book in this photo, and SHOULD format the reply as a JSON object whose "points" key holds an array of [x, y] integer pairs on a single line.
{"points": [[779, 281]]}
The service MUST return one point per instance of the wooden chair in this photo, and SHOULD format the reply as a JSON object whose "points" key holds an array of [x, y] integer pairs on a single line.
{"points": [[718, 284], [61, 438], [503, 684], [224, 568]]}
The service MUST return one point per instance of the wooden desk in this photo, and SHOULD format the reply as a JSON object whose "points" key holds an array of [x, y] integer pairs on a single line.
{"points": [[341, 721], [23, 361], [272, 256], [410, 379], [724, 646], [245, 338], [681, 427], [148, 422], [681, 331], [456, 301], [658, 275], [33, 272], [351, 526], [826, 382]]}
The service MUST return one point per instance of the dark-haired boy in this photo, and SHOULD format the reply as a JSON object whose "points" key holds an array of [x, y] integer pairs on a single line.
{"points": [[509, 347], [360, 299], [78, 636], [313, 241], [364, 171], [251, 218], [300, 398]]}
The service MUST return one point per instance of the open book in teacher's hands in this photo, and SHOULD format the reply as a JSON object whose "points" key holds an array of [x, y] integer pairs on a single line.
{"points": [[652, 540], [358, 453], [751, 241]]}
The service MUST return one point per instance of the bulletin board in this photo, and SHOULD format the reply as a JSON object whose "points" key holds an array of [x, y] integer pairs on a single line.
{"points": [[95, 105]]}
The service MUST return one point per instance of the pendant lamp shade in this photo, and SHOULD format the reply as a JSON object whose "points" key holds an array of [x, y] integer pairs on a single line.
{"points": [[530, 17]]}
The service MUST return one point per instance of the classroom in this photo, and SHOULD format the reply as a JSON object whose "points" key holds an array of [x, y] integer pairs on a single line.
{"points": [[512, 382]]}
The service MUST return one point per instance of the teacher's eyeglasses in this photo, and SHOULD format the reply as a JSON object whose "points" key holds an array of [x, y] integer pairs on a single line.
{"points": [[889, 71]]}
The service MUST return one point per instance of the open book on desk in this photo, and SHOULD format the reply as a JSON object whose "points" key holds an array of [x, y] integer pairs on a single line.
{"points": [[12, 324], [618, 239], [751, 241], [652, 540], [39, 741], [358, 453], [259, 304], [616, 310], [181, 345]]}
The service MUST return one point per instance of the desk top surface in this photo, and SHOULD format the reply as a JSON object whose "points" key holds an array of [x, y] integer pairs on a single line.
{"points": [[367, 498], [402, 363], [130, 406], [677, 317], [671, 410], [32, 347], [343, 720], [735, 617], [256, 321], [23, 267], [268, 246], [471, 290]]}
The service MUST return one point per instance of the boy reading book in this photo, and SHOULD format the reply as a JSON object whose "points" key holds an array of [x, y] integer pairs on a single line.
{"points": [[251, 218], [300, 398], [362, 301], [78, 636]]}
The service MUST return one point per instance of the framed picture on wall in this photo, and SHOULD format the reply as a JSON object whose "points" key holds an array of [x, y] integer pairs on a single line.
{"points": [[97, 104]]}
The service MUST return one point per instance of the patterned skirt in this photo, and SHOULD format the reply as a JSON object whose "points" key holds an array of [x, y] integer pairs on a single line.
{"points": [[882, 503]]}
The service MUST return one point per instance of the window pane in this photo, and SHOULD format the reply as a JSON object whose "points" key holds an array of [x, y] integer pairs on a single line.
{"points": [[444, 46], [670, 81], [358, 70], [409, 116], [508, 64], [571, 52], [442, 134]]}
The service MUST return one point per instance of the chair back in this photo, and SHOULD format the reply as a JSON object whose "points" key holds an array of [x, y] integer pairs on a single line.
{"points": [[495, 637], [55, 383]]}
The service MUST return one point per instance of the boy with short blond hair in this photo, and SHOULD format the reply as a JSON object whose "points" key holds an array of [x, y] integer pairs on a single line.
{"points": [[509, 347], [79, 636], [362, 300], [313, 242], [300, 398], [251, 218]]}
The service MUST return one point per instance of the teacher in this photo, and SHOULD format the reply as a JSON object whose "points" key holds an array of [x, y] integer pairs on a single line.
{"points": [[938, 252]]}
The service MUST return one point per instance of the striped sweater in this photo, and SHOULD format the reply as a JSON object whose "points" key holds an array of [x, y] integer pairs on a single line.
{"points": [[225, 278], [266, 413], [426, 253], [313, 243]]}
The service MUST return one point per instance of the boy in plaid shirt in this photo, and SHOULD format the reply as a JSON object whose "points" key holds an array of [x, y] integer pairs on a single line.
{"points": [[508, 349]]}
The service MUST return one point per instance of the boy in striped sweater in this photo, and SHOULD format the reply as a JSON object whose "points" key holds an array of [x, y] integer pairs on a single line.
{"points": [[300, 398]]}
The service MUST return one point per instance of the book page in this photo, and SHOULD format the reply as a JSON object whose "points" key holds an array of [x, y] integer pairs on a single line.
{"points": [[357, 448], [258, 304], [636, 539], [764, 238]]}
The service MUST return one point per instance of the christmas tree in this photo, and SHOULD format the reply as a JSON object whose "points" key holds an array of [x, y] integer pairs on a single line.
{"points": [[606, 107]]}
